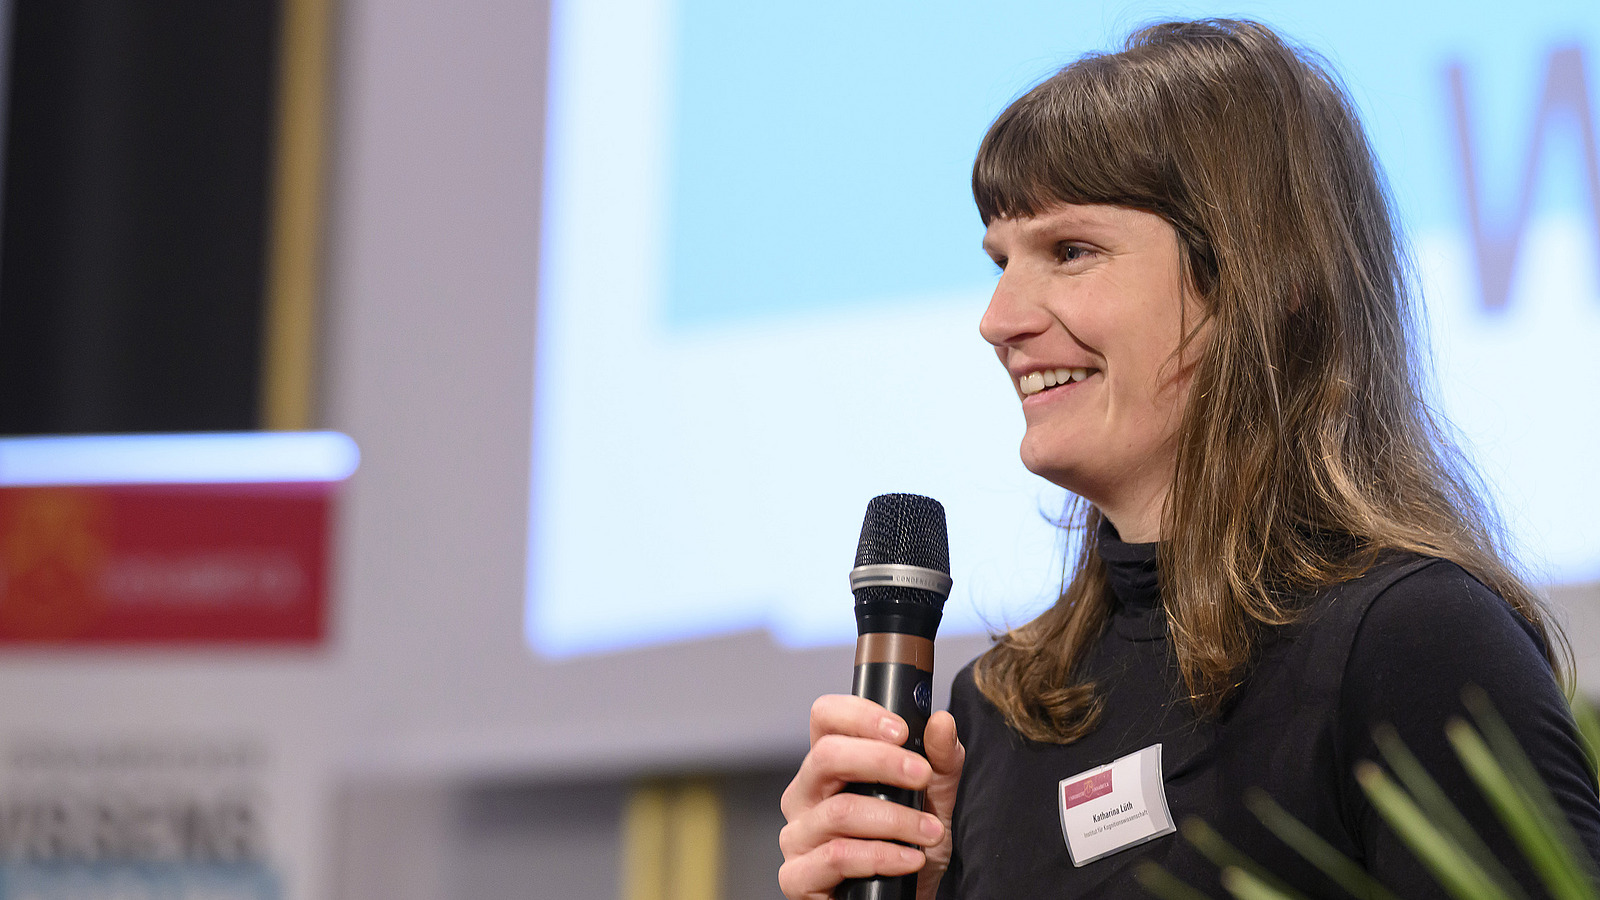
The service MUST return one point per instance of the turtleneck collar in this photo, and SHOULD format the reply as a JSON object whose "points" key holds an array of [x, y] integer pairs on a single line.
{"points": [[1131, 573]]}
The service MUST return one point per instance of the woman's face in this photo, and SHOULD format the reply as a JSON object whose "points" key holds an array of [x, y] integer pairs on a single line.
{"points": [[1087, 318]]}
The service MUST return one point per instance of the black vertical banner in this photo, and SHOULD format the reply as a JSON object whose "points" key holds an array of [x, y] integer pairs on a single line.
{"points": [[133, 248]]}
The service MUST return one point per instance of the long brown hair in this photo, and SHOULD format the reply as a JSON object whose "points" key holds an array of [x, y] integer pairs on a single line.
{"points": [[1306, 449]]}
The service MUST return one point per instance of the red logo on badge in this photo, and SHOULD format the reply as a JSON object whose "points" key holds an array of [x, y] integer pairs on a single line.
{"points": [[1086, 789]]}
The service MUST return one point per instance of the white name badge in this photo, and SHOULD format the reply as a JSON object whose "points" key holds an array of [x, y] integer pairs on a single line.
{"points": [[1115, 806]]}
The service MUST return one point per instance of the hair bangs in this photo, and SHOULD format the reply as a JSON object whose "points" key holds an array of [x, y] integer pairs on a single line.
{"points": [[1077, 137]]}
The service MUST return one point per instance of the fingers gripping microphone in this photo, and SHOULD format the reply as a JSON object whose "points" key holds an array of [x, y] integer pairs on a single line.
{"points": [[900, 580]]}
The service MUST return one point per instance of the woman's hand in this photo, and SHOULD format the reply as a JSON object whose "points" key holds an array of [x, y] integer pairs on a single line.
{"points": [[832, 836]]}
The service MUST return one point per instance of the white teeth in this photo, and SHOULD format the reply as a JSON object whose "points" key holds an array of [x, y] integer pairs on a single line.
{"points": [[1034, 382]]}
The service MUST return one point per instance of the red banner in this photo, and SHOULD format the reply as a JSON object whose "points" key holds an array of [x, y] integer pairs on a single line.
{"points": [[164, 564]]}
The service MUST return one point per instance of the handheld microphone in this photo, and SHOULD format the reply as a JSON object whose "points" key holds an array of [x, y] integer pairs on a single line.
{"points": [[900, 581]]}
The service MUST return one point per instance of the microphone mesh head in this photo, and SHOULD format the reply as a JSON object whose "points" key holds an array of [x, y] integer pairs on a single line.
{"points": [[906, 530], [901, 529]]}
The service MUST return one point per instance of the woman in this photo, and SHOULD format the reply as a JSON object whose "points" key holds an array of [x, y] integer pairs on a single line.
{"points": [[1203, 307]]}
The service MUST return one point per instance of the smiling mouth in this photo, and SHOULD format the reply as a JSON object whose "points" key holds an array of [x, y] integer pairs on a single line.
{"points": [[1034, 382]]}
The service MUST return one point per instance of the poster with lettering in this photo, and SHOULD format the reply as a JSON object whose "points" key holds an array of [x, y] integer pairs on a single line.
{"points": [[168, 539], [118, 564], [155, 820]]}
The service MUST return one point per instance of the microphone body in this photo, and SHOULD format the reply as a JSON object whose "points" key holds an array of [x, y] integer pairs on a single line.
{"points": [[900, 581], [896, 671]]}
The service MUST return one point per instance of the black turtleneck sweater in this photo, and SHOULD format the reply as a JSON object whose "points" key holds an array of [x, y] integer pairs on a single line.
{"points": [[1394, 646]]}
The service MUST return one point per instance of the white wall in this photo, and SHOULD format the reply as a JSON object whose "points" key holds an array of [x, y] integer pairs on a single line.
{"points": [[433, 291]]}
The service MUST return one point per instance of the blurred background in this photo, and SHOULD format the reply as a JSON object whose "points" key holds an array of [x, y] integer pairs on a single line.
{"points": [[435, 435]]}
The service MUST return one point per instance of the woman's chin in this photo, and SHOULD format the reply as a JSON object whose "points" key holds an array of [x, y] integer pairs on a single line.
{"points": [[1060, 472]]}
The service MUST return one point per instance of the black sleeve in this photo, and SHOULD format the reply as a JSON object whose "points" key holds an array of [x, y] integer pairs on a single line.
{"points": [[962, 693], [1422, 641]]}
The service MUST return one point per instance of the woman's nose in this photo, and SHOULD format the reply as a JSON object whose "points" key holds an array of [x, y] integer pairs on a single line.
{"points": [[1013, 314]]}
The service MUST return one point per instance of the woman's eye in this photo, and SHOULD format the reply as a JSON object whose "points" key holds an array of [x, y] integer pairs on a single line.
{"points": [[1070, 252], [999, 263]]}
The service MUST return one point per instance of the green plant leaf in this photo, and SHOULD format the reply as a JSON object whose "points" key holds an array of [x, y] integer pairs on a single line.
{"points": [[1539, 838], [1588, 732], [1164, 884], [1245, 886], [1510, 756], [1224, 855], [1436, 805], [1343, 870], [1453, 867]]}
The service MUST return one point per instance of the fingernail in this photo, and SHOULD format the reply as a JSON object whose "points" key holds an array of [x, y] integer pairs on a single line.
{"points": [[889, 727], [931, 827], [912, 766], [910, 855]]}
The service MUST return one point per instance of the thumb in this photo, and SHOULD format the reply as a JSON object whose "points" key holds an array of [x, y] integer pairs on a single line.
{"points": [[946, 756]]}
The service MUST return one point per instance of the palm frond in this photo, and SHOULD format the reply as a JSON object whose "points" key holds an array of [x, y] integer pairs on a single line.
{"points": [[1164, 884], [1343, 870], [1531, 826], [1225, 856], [1245, 886], [1452, 867], [1436, 805]]}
